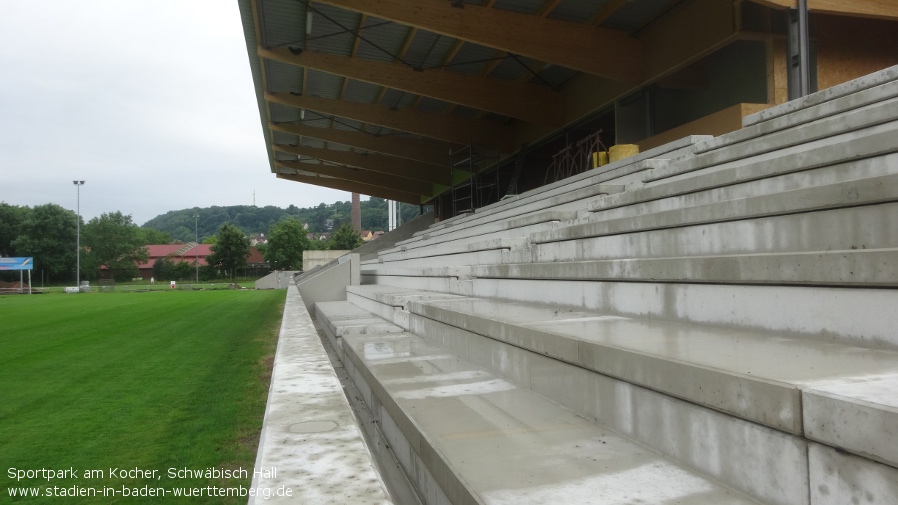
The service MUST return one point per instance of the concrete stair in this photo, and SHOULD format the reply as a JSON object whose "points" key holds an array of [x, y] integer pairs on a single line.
{"points": [[766, 405], [711, 322], [465, 434]]}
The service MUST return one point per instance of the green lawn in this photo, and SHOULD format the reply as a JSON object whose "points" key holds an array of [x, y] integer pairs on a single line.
{"points": [[146, 381]]}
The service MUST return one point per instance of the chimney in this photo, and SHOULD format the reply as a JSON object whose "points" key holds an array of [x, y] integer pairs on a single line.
{"points": [[356, 212]]}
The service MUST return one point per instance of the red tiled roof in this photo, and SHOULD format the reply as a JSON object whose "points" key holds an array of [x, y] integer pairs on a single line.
{"points": [[162, 250], [255, 257]]}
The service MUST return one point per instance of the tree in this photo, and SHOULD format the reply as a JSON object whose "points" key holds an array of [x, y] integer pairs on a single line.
{"points": [[48, 235], [163, 268], [115, 242], [345, 238], [286, 242], [374, 214], [230, 249], [11, 219], [150, 236]]}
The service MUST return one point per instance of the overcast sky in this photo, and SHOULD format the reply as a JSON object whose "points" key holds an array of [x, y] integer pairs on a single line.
{"points": [[150, 102]]}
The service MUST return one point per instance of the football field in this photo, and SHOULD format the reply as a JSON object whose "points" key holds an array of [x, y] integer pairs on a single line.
{"points": [[133, 397]]}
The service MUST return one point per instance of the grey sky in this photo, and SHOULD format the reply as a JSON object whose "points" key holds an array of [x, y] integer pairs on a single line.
{"points": [[150, 102]]}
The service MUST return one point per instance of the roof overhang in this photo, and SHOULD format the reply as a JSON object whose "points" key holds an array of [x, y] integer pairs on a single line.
{"points": [[370, 96]]}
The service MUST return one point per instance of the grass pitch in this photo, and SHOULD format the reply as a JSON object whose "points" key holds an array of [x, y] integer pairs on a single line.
{"points": [[120, 385]]}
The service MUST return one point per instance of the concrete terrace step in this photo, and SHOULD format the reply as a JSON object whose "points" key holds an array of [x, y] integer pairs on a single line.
{"points": [[868, 191], [833, 93], [543, 210], [489, 250], [751, 375], [861, 98], [466, 435], [307, 414], [745, 182], [831, 186], [640, 162], [861, 268], [732, 451], [868, 156], [870, 268], [474, 233], [866, 227], [841, 396], [850, 125]]}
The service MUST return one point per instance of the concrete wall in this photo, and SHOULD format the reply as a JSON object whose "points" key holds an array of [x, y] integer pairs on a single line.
{"points": [[276, 280], [313, 259], [329, 282]]}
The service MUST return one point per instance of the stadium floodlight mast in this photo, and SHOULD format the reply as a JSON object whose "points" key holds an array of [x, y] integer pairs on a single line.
{"points": [[78, 185], [196, 250]]}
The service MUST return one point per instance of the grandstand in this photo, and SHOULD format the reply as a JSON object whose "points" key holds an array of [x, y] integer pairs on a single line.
{"points": [[710, 320]]}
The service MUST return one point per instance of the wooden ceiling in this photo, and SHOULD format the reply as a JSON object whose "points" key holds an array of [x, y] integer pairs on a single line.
{"points": [[369, 96]]}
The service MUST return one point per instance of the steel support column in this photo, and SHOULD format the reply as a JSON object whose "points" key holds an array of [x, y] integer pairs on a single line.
{"points": [[799, 52]]}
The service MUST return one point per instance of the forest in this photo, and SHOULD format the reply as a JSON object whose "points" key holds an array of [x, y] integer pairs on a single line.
{"points": [[179, 224], [48, 233]]}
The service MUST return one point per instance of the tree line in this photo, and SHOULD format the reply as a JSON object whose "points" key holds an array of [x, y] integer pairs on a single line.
{"points": [[186, 224], [113, 242], [48, 233]]}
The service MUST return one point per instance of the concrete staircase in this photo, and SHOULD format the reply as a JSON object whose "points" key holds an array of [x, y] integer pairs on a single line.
{"points": [[713, 321]]}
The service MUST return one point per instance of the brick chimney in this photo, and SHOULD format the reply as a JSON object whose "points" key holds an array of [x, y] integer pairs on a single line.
{"points": [[356, 212]]}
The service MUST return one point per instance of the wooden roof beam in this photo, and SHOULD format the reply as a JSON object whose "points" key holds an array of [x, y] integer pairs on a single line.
{"points": [[710, 23], [352, 187], [362, 176], [606, 12], [459, 130], [879, 9], [564, 43], [380, 163], [528, 102], [424, 150]]}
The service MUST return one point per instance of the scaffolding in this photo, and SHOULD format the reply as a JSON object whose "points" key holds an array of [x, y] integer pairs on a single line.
{"points": [[473, 186]]}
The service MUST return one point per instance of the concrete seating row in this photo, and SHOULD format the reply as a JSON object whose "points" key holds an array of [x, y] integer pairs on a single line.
{"points": [[772, 408], [768, 186], [520, 204], [465, 434], [839, 116], [803, 120]]}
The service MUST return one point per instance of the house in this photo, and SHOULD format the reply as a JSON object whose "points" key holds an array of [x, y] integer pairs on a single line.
{"points": [[176, 253], [188, 253]]}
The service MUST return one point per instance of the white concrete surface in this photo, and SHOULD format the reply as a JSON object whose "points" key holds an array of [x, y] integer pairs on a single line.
{"points": [[314, 259], [867, 191], [839, 479], [859, 415], [883, 91], [868, 227], [844, 89], [843, 123], [310, 438], [862, 268], [276, 280], [477, 434]]}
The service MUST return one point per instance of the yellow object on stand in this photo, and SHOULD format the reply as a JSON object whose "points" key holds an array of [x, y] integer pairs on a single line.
{"points": [[599, 158], [622, 151]]}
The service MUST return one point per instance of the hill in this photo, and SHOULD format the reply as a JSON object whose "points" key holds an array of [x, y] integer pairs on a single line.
{"points": [[179, 224]]}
